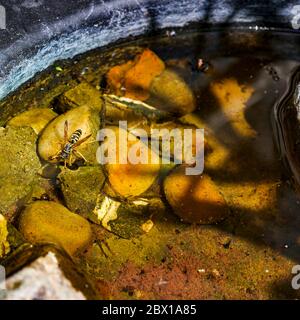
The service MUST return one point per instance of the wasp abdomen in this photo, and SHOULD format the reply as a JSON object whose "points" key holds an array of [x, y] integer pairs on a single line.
{"points": [[75, 136], [65, 153]]}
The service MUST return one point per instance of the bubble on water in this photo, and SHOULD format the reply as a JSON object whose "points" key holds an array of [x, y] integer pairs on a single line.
{"points": [[272, 72]]}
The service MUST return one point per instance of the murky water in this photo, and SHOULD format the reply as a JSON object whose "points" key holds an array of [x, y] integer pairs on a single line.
{"points": [[252, 159]]}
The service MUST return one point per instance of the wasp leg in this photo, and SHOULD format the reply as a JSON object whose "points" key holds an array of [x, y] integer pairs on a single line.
{"points": [[54, 157], [79, 155], [93, 141], [70, 160]]}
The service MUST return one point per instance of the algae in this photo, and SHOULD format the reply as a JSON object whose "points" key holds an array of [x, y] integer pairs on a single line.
{"points": [[82, 94], [19, 168], [4, 244], [81, 188]]}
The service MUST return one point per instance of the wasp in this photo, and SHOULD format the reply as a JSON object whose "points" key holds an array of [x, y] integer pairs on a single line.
{"points": [[68, 147]]}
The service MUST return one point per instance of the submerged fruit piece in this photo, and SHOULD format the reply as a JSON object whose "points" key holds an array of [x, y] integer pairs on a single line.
{"points": [[51, 140], [83, 94], [106, 210], [138, 79], [232, 98], [116, 109], [169, 92], [127, 219], [147, 226], [48, 221], [135, 77], [195, 199], [135, 112], [37, 119], [181, 137], [131, 179], [147, 79], [116, 75]]}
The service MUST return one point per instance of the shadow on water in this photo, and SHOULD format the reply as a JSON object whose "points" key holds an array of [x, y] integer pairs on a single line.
{"points": [[281, 231]]}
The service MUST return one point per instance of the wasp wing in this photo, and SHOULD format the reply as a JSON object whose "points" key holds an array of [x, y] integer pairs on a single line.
{"points": [[78, 143], [66, 129]]}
